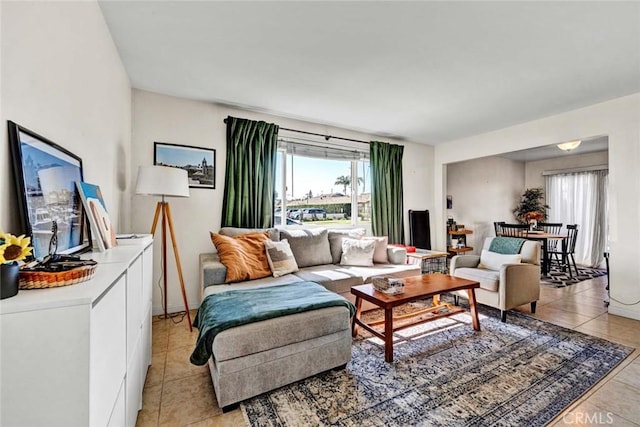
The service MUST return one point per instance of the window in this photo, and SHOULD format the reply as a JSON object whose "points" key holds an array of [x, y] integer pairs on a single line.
{"points": [[581, 198], [314, 185]]}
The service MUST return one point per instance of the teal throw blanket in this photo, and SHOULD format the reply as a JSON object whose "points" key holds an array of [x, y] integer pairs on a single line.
{"points": [[506, 245], [239, 307]]}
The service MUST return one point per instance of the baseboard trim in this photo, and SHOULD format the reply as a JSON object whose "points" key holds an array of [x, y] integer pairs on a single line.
{"points": [[624, 312], [173, 308]]}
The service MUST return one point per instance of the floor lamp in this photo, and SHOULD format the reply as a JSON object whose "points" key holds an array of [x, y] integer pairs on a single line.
{"points": [[166, 182]]}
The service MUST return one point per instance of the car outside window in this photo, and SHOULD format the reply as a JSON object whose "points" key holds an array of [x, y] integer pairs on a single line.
{"points": [[318, 191]]}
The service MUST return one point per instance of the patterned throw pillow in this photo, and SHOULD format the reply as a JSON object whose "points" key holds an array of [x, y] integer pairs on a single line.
{"points": [[280, 257], [243, 255], [357, 252]]}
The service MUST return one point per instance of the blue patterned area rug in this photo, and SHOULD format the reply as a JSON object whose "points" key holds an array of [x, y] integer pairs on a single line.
{"points": [[560, 279], [520, 373]]}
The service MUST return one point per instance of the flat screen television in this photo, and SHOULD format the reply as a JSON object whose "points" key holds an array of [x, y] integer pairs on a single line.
{"points": [[45, 176]]}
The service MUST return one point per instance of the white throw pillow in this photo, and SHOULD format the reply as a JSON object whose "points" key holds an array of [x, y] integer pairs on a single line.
{"points": [[493, 261], [357, 252], [380, 254], [280, 257], [335, 240]]}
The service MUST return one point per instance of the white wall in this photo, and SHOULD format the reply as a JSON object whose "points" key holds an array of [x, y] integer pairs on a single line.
{"points": [[417, 173], [533, 170], [484, 190], [63, 79], [619, 120], [164, 118]]}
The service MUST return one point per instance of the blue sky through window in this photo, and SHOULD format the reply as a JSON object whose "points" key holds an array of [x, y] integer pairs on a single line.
{"points": [[306, 174]]}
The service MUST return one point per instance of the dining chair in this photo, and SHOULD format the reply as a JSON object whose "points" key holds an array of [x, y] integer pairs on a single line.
{"points": [[567, 256], [497, 226], [513, 230], [551, 228]]}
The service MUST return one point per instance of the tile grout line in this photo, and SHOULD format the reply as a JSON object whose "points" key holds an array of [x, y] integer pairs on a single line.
{"points": [[608, 410], [164, 371]]}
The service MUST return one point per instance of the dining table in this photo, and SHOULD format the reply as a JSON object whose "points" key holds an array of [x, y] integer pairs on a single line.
{"points": [[544, 238]]}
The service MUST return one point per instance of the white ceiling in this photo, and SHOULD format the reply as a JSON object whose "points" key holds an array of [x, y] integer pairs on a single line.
{"points": [[427, 72], [588, 145]]}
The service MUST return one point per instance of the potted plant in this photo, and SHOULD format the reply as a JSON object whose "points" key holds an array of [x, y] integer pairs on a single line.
{"points": [[12, 250], [532, 200]]}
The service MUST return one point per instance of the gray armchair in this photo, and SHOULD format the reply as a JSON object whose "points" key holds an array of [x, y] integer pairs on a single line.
{"points": [[507, 286]]}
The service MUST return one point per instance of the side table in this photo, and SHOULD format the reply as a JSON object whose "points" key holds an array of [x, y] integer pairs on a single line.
{"points": [[429, 261]]}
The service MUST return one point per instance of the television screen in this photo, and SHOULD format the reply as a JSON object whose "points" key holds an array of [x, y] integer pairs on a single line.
{"points": [[45, 176]]}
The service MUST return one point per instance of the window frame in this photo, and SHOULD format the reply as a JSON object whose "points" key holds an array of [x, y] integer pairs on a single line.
{"points": [[282, 153]]}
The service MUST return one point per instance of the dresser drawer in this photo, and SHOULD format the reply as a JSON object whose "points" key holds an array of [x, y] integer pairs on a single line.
{"points": [[147, 277], [108, 351], [134, 305]]}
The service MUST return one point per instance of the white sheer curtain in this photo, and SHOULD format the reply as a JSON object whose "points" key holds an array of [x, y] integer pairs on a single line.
{"points": [[581, 198]]}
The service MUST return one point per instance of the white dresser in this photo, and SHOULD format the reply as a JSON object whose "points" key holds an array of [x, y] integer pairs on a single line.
{"points": [[78, 355]]}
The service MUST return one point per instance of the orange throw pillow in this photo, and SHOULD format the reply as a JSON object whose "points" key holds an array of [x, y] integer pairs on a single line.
{"points": [[243, 255]]}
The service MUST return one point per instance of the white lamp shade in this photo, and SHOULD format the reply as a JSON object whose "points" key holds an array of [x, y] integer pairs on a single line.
{"points": [[162, 181]]}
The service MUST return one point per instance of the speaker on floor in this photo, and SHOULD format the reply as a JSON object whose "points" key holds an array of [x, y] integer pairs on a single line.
{"points": [[419, 229]]}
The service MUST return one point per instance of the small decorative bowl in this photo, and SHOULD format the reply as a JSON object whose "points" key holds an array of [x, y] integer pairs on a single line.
{"points": [[387, 285]]}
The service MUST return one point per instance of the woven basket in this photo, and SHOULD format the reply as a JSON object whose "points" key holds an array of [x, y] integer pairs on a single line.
{"points": [[44, 279], [388, 285]]}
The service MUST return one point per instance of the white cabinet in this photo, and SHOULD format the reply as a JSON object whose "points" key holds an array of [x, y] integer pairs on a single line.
{"points": [[107, 351], [78, 355], [118, 416], [147, 277], [146, 341], [135, 311], [134, 384], [139, 296], [134, 305], [147, 300]]}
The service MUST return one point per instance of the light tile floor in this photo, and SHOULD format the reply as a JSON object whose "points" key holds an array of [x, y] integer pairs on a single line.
{"points": [[177, 393]]}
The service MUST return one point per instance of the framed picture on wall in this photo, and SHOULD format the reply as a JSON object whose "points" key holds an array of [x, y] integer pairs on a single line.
{"points": [[45, 176], [200, 163]]}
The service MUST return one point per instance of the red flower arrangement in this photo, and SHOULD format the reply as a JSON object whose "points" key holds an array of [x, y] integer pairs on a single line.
{"points": [[537, 216]]}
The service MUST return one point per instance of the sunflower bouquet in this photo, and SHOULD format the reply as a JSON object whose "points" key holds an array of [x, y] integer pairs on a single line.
{"points": [[14, 248]]}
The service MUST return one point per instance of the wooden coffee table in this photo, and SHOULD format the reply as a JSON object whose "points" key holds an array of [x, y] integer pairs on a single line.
{"points": [[416, 287]]}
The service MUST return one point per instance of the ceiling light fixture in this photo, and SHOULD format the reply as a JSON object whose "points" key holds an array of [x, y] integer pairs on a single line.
{"points": [[568, 146]]}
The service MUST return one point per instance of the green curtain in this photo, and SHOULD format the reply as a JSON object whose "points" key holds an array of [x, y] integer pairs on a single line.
{"points": [[250, 174], [387, 209]]}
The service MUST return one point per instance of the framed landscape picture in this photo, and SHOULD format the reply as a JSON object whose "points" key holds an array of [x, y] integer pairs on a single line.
{"points": [[200, 163]]}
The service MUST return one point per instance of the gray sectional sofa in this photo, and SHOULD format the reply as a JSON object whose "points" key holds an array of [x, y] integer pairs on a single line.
{"points": [[252, 359], [333, 276]]}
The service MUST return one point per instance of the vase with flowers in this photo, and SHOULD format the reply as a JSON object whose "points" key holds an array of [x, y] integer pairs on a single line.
{"points": [[532, 218], [12, 250]]}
